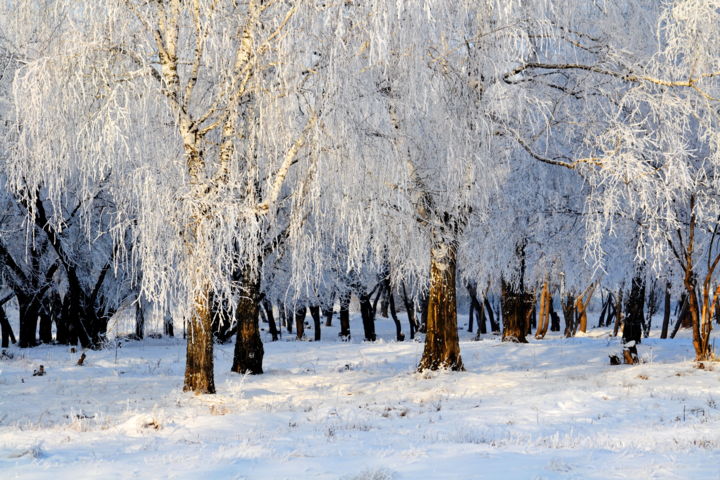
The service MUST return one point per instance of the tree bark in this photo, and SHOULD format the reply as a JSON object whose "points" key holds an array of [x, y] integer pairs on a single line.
{"points": [[544, 316], [568, 309], [666, 312], [410, 311], [300, 313], [327, 310], [516, 310], [249, 351], [7, 333], [494, 325], [632, 327], [442, 345], [315, 314], [268, 308], [399, 336], [368, 317], [554, 317], [28, 316], [139, 320], [199, 375], [345, 316], [618, 312]]}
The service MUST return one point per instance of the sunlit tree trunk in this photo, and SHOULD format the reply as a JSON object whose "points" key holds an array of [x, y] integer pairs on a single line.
{"points": [[442, 346], [199, 375]]}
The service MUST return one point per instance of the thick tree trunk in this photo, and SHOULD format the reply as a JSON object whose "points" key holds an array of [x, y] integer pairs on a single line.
{"points": [[249, 351], [345, 316], [516, 310], [28, 315], [632, 327], [199, 375], [442, 345]]}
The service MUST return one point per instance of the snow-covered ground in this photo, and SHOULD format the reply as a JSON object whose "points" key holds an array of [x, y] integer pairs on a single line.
{"points": [[549, 409]]}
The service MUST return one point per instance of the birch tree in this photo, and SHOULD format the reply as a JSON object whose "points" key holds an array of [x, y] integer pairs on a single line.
{"points": [[192, 111]]}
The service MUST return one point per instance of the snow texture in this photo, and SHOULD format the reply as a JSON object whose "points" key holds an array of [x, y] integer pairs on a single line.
{"points": [[331, 410]]}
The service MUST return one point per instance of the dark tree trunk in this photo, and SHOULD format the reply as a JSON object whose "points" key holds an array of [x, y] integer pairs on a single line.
{"points": [[568, 308], [268, 308], [516, 310], [471, 315], [45, 330], [442, 345], [300, 313], [605, 310], [554, 317], [61, 322], [28, 312], [285, 320], [666, 312], [480, 313], [494, 325], [632, 327], [345, 316], [424, 299], [222, 324], [368, 317], [7, 333], [683, 313], [652, 308], [327, 310], [476, 308], [199, 375], [385, 300], [249, 351], [139, 320], [410, 310], [532, 321], [399, 336], [315, 314], [168, 325]]}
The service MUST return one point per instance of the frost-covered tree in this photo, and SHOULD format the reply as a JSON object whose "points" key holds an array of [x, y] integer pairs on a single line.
{"points": [[196, 115]]}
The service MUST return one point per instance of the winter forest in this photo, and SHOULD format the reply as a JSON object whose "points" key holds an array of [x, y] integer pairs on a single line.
{"points": [[359, 239]]}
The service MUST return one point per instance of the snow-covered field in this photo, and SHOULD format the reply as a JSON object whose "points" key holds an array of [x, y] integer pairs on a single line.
{"points": [[549, 409]]}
